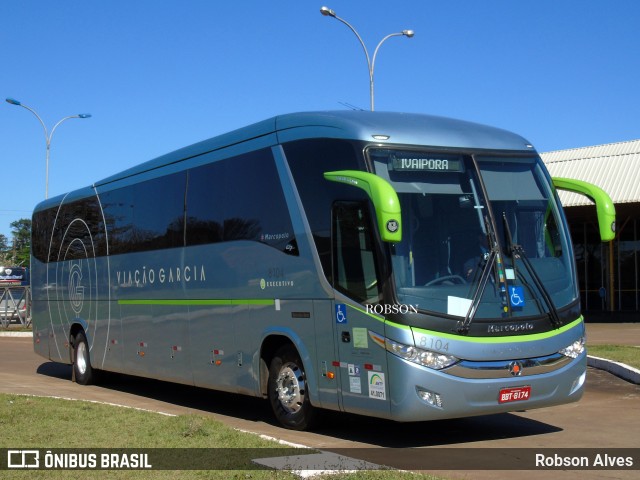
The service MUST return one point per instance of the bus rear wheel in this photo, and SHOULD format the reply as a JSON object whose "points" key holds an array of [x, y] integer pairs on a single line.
{"points": [[82, 370], [288, 392]]}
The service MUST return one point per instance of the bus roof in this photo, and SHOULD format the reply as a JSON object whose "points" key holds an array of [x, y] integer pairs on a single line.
{"points": [[400, 128]]}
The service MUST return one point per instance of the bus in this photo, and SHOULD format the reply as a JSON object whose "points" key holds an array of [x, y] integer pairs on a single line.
{"points": [[400, 266]]}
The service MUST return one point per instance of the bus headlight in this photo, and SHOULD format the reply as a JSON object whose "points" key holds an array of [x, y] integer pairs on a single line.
{"points": [[426, 358], [575, 349]]}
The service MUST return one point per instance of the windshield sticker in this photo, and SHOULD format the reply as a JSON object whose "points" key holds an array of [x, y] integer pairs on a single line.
{"points": [[458, 306], [516, 296]]}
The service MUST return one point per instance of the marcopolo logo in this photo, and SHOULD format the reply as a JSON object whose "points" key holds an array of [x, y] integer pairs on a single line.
{"points": [[393, 226], [391, 309], [510, 328]]}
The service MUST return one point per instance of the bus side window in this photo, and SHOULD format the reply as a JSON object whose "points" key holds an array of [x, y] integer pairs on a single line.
{"points": [[355, 271], [239, 198]]}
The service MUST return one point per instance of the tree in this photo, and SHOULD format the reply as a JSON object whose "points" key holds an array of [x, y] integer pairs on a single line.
{"points": [[21, 249], [5, 250]]}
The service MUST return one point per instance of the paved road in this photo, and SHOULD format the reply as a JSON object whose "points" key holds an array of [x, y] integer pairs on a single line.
{"points": [[613, 334], [608, 416]]}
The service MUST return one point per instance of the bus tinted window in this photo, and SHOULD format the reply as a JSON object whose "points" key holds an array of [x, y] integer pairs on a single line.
{"points": [[74, 231], [239, 199], [355, 263], [236, 199], [146, 216], [42, 225], [308, 160], [206, 199]]}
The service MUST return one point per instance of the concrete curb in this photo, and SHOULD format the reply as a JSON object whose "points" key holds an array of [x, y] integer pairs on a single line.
{"points": [[15, 334], [621, 370]]}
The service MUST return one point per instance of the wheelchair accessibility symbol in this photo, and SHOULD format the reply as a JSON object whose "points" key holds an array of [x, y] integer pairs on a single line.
{"points": [[341, 313], [516, 296]]}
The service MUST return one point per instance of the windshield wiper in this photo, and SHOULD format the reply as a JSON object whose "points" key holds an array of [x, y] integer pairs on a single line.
{"points": [[490, 260], [517, 252]]}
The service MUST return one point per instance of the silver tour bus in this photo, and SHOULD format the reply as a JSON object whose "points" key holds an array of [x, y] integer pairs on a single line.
{"points": [[400, 266]]}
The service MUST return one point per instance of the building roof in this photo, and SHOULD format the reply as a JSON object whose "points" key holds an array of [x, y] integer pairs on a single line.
{"points": [[614, 167]]}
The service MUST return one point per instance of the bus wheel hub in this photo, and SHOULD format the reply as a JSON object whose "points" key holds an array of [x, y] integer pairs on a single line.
{"points": [[290, 387]]}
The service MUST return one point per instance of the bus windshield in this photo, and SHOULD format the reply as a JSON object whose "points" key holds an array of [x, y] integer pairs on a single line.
{"points": [[482, 235]]}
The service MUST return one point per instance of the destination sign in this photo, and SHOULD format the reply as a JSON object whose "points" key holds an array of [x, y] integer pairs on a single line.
{"points": [[418, 162]]}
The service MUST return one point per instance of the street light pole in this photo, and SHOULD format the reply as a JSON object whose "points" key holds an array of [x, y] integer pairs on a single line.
{"points": [[327, 12], [47, 135]]}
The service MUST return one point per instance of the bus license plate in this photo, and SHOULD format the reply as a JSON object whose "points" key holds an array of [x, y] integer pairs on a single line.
{"points": [[516, 394]]}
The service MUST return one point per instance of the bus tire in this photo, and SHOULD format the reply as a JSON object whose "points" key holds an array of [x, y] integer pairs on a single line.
{"points": [[82, 370], [288, 391]]}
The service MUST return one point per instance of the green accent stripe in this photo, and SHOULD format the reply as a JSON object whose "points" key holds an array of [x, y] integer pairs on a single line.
{"points": [[196, 302], [371, 315], [461, 338], [509, 339]]}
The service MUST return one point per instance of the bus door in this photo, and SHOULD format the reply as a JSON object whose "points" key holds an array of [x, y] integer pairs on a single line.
{"points": [[362, 363]]}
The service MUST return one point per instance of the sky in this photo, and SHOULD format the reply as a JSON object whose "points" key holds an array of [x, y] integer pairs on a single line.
{"points": [[160, 75]]}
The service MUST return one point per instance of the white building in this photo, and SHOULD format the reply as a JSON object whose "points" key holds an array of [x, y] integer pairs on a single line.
{"points": [[609, 273]]}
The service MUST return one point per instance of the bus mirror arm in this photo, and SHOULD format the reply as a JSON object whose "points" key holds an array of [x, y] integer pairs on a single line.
{"points": [[383, 196], [604, 205]]}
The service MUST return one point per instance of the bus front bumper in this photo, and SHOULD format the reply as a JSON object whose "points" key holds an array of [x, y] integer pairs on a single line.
{"points": [[421, 394]]}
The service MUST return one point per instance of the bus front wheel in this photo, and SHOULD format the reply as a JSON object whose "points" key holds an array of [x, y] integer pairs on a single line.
{"points": [[288, 392], [82, 370]]}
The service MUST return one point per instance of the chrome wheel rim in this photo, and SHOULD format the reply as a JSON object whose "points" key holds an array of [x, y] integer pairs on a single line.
{"points": [[81, 358], [290, 387]]}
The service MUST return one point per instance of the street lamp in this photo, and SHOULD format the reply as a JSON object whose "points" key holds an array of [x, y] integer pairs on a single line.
{"points": [[327, 12], [47, 135]]}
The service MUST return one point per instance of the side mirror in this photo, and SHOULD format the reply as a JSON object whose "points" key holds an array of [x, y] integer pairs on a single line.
{"points": [[383, 196], [604, 205]]}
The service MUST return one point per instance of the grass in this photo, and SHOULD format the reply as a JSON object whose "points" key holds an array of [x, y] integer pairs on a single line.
{"points": [[46, 423], [618, 353]]}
